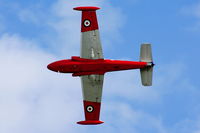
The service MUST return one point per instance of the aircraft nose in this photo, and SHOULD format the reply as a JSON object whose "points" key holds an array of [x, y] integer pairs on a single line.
{"points": [[52, 67]]}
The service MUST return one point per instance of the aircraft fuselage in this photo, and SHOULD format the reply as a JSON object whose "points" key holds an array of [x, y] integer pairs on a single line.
{"points": [[80, 66]]}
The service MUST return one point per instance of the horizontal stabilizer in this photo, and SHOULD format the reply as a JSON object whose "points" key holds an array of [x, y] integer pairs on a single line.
{"points": [[146, 72], [90, 122], [146, 75], [145, 53]]}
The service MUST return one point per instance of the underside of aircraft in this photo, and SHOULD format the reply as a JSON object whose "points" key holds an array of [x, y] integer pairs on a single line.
{"points": [[91, 65]]}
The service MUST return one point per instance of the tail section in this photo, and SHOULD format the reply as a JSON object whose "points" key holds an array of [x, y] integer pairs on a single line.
{"points": [[146, 72]]}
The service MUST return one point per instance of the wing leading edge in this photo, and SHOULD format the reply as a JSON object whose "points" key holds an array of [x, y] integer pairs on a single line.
{"points": [[91, 49]]}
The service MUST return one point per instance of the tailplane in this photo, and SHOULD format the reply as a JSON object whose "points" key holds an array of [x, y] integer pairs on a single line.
{"points": [[146, 72]]}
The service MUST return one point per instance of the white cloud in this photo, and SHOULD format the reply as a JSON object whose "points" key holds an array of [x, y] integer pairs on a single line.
{"points": [[31, 97], [127, 84], [186, 126], [65, 23], [193, 10], [68, 23], [122, 117]]}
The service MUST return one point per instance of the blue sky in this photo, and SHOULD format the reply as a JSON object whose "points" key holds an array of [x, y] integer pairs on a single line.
{"points": [[33, 34]]}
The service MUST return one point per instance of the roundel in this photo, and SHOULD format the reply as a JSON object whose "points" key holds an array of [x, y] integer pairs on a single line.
{"points": [[87, 23], [89, 108]]}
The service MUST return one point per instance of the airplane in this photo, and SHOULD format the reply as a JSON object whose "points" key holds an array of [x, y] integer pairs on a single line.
{"points": [[91, 65]]}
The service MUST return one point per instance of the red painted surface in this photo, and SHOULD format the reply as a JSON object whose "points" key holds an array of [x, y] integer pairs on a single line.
{"points": [[77, 58], [90, 122], [86, 8], [79, 66], [92, 112], [88, 73], [89, 18]]}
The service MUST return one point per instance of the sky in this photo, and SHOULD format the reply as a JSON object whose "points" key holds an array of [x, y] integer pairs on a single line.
{"points": [[36, 33]]}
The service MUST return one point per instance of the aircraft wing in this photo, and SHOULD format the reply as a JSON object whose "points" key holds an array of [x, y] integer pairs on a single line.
{"points": [[90, 40], [91, 49], [92, 91]]}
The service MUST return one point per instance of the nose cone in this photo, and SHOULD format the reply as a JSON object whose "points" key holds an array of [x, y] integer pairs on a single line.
{"points": [[53, 67]]}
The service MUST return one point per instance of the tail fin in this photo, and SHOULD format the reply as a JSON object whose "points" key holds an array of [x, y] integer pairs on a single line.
{"points": [[146, 72]]}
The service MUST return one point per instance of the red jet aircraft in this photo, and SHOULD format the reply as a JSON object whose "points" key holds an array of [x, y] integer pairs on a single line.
{"points": [[91, 66]]}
